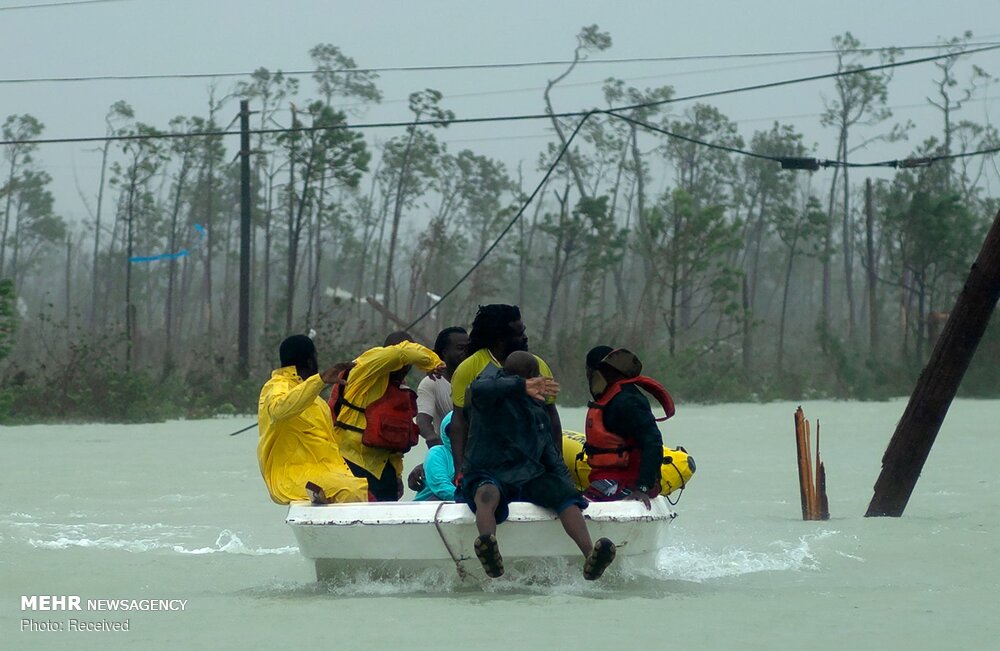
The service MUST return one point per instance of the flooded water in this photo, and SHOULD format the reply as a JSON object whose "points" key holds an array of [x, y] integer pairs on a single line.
{"points": [[176, 512]]}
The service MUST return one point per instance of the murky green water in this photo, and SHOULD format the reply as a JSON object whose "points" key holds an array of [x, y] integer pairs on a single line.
{"points": [[178, 511]]}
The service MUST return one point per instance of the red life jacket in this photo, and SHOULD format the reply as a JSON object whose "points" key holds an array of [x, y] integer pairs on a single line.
{"points": [[336, 400], [388, 420], [604, 448]]}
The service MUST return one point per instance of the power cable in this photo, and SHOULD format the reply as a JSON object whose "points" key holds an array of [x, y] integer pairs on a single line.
{"points": [[510, 224], [464, 66], [786, 162], [584, 84], [67, 3], [829, 75], [725, 148]]}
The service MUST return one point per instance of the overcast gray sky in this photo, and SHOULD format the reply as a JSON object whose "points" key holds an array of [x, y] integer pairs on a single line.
{"points": [[194, 36]]}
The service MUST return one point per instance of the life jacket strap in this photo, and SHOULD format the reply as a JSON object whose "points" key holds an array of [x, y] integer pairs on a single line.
{"points": [[592, 450], [352, 428], [351, 405]]}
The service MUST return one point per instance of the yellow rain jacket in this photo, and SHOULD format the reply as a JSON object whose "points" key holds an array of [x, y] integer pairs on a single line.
{"points": [[296, 442], [366, 383]]}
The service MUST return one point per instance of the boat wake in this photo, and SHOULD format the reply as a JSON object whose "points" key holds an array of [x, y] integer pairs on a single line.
{"points": [[684, 562], [677, 568], [134, 538]]}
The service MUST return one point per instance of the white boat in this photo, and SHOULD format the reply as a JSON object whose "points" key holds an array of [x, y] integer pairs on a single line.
{"points": [[404, 537]]}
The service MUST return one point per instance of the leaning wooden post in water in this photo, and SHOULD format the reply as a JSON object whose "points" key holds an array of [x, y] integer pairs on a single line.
{"points": [[911, 443]]}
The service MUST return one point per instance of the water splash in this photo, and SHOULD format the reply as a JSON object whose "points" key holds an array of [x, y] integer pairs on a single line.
{"points": [[138, 538], [700, 564], [230, 543]]}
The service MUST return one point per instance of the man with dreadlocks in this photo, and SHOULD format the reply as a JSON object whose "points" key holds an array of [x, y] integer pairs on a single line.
{"points": [[497, 331]]}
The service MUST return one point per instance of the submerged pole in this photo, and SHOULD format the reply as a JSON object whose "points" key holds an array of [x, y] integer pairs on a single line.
{"points": [[911, 443]]}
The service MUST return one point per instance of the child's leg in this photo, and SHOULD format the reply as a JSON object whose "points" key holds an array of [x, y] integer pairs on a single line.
{"points": [[553, 491], [596, 558], [572, 521], [487, 500]]}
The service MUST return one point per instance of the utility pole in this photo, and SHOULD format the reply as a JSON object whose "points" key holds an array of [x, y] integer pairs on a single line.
{"points": [[244, 309], [911, 443], [872, 271]]}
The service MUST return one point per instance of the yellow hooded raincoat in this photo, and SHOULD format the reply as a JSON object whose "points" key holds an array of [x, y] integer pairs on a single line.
{"points": [[366, 384], [296, 442]]}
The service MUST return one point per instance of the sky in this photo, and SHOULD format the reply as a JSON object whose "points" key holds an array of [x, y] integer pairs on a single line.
{"points": [[128, 37]]}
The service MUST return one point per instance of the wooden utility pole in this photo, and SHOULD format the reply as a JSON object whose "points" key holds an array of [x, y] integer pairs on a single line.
{"points": [[872, 271], [244, 309], [911, 443], [69, 279]]}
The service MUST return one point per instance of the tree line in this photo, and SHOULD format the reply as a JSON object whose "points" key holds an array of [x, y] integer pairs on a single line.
{"points": [[733, 278]]}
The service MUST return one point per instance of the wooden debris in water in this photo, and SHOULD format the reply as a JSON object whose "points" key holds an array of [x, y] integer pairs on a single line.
{"points": [[812, 486]]}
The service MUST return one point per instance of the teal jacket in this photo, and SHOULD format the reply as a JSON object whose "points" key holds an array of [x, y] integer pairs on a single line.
{"points": [[439, 469]]}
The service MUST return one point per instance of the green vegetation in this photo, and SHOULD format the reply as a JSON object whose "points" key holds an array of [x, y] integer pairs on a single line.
{"points": [[733, 279]]}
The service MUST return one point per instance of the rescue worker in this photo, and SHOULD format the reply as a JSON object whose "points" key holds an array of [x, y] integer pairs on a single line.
{"points": [[296, 445], [374, 411], [624, 446]]}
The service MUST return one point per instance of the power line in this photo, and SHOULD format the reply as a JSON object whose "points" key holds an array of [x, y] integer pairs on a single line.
{"points": [[671, 134], [465, 66], [807, 163], [44, 5], [510, 224], [786, 162], [801, 80], [583, 84]]}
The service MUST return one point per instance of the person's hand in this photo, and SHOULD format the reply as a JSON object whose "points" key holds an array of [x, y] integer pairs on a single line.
{"points": [[417, 479], [437, 372], [541, 388], [458, 479], [639, 495], [332, 374]]}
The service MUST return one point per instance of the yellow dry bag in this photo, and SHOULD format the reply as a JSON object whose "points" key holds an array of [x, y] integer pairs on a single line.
{"points": [[676, 471]]}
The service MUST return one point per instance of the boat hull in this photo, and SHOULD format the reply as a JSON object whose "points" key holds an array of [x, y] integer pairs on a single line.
{"points": [[412, 536]]}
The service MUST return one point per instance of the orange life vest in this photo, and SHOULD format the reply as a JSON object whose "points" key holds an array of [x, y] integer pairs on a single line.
{"points": [[388, 420], [604, 448]]}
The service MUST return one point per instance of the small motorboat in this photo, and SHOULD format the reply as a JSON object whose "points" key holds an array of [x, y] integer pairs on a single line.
{"points": [[407, 537]]}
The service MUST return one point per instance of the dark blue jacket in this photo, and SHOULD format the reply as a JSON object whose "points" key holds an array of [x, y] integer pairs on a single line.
{"points": [[510, 433]]}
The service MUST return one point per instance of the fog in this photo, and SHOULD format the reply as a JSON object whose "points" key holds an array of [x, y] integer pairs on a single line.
{"points": [[732, 278]]}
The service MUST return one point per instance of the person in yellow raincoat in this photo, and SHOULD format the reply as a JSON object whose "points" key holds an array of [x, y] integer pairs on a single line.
{"points": [[368, 381], [296, 443]]}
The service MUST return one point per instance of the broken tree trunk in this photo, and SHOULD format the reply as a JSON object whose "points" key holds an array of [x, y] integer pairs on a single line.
{"points": [[911, 443], [812, 487]]}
